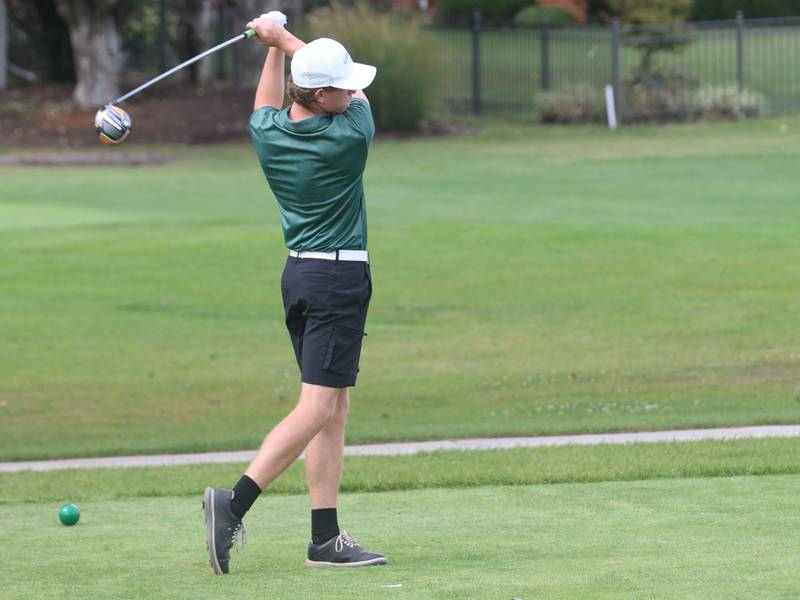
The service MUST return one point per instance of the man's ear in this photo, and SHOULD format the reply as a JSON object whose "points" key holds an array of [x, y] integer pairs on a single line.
{"points": [[319, 94]]}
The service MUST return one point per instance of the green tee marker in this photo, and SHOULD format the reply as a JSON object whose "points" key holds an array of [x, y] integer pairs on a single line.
{"points": [[69, 514]]}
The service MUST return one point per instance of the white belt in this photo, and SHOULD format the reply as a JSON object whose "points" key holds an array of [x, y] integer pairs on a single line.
{"points": [[357, 255]]}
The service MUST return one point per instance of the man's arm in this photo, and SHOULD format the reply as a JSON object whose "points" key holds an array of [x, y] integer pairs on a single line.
{"points": [[361, 94], [270, 87], [281, 43]]}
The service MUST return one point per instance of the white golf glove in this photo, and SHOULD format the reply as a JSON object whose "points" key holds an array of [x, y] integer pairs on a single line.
{"points": [[276, 16]]}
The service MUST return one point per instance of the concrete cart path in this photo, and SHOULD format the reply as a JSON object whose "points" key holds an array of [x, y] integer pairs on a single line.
{"points": [[685, 435]]}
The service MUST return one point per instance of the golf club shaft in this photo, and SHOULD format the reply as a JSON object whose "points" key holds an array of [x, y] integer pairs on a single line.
{"points": [[241, 36]]}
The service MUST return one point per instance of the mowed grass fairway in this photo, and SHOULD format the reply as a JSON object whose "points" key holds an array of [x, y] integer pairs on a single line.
{"points": [[454, 525], [720, 538], [527, 281]]}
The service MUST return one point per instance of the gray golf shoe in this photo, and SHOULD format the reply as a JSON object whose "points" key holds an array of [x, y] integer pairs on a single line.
{"points": [[223, 528], [342, 551]]}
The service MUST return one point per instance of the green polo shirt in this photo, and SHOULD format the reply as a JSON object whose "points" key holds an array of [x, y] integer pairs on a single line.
{"points": [[315, 168]]}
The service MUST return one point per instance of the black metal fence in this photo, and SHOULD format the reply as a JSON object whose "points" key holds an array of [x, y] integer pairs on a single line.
{"points": [[742, 67]]}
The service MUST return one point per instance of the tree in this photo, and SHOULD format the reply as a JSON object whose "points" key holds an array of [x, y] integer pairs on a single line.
{"points": [[195, 34], [651, 41], [93, 31], [654, 87], [40, 39]]}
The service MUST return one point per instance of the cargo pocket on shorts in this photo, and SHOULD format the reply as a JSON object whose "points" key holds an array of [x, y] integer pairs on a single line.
{"points": [[344, 350]]}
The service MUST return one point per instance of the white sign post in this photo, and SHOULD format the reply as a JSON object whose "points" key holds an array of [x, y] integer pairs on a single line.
{"points": [[611, 108]]}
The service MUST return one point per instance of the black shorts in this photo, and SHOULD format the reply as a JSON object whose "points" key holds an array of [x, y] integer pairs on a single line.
{"points": [[326, 303]]}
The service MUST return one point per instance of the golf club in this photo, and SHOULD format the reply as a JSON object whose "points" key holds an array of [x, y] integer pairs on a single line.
{"points": [[113, 124]]}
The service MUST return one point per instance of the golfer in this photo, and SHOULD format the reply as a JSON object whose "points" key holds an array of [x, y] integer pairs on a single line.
{"points": [[313, 154]]}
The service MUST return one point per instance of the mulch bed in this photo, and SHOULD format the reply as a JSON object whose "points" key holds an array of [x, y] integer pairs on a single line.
{"points": [[170, 114], [45, 121]]}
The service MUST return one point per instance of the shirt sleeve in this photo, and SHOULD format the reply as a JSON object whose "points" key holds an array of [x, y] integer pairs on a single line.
{"points": [[260, 121], [359, 115]]}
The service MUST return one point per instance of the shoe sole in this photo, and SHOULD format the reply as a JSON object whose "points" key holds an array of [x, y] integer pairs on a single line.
{"points": [[361, 563], [208, 507]]}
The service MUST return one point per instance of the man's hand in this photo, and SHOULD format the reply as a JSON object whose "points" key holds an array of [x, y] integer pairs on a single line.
{"points": [[268, 31]]}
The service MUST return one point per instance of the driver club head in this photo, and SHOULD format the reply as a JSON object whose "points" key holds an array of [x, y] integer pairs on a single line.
{"points": [[113, 125]]}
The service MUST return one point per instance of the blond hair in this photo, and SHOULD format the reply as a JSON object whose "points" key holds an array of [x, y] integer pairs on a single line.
{"points": [[305, 97]]}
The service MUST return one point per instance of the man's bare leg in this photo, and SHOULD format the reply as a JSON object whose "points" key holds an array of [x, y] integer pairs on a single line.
{"points": [[324, 455], [315, 409], [224, 509]]}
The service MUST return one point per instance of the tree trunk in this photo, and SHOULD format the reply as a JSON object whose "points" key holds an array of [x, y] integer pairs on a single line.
{"points": [[96, 49], [195, 34], [249, 56], [56, 44]]}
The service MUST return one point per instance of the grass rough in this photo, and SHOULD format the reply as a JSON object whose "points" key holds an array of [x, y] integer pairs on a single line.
{"points": [[527, 281]]}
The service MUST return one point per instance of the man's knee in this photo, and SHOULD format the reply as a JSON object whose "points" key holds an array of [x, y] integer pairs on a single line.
{"points": [[322, 401], [342, 408]]}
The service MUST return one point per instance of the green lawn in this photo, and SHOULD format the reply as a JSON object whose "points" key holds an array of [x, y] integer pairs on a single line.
{"points": [[667, 520], [527, 281], [692, 538]]}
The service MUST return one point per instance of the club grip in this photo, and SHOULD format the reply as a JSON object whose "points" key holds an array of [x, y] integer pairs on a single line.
{"points": [[249, 33]]}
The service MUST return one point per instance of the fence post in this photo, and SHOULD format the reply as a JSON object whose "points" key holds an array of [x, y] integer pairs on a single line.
{"points": [[3, 46], [545, 34], [615, 43], [740, 49], [476, 62]]}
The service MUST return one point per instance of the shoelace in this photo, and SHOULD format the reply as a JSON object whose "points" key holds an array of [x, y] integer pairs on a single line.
{"points": [[239, 537], [345, 539]]}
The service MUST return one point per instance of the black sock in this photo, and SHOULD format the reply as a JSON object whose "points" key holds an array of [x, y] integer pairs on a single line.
{"points": [[245, 493], [324, 525]]}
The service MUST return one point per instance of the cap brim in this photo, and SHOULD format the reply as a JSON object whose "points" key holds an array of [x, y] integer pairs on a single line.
{"points": [[360, 78]]}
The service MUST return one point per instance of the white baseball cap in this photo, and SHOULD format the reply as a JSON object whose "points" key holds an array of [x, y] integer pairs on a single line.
{"points": [[326, 63]]}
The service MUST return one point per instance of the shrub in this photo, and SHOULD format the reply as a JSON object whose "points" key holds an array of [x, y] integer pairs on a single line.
{"points": [[536, 15], [680, 98], [675, 96], [727, 102], [406, 56], [574, 103], [659, 92]]}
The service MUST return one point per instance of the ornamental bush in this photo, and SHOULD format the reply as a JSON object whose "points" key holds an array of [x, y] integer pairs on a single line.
{"points": [[727, 102], [680, 97], [572, 103], [407, 58]]}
